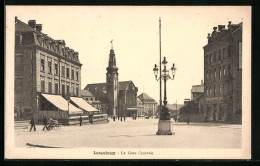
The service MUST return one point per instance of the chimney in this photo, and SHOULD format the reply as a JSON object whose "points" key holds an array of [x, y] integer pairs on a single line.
{"points": [[201, 82], [32, 23], [15, 19], [221, 27], [214, 28], [39, 27]]}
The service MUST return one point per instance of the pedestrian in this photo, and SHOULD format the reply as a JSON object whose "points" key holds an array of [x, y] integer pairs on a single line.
{"points": [[32, 125], [45, 122], [188, 120], [114, 118], [80, 120], [124, 118], [118, 118], [121, 119]]}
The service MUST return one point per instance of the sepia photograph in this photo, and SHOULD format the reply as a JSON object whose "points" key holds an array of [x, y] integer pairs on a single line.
{"points": [[128, 82]]}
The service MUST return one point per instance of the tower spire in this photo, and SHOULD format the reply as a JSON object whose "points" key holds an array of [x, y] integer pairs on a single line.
{"points": [[111, 44]]}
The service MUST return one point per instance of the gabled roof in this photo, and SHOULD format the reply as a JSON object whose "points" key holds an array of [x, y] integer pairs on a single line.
{"points": [[145, 98], [86, 93], [102, 86]]}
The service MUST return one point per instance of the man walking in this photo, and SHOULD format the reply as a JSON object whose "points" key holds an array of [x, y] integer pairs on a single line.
{"points": [[32, 125], [124, 118], [45, 122], [80, 120]]}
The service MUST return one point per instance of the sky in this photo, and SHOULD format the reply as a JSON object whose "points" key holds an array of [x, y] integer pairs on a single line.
{"points": [[135, 33]]}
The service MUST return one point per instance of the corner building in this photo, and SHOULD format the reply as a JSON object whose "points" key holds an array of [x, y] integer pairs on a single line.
{"points": [[223, 74], [42, 66]]}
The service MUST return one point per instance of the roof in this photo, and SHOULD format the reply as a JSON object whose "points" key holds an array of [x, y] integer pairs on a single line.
{"points": [[22, 27], [102, 86], [197, 89], [173, 106], [36, 37], [145, 98], [86, 93], [99, 90], [61, 103], [83, 104]]}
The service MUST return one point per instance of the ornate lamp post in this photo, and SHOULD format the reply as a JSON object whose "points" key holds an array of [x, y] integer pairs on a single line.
{"points": [[164, 125]]}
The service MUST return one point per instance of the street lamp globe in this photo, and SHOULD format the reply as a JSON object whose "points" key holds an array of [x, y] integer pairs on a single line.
{"points": [[155, 70], [173, 69]]}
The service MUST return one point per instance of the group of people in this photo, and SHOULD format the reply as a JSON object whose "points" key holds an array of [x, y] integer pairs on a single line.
{"points": [[47, 124], [118, 118]]}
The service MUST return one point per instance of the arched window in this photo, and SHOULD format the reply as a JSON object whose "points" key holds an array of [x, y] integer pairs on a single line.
{"points": [[229, 51]]}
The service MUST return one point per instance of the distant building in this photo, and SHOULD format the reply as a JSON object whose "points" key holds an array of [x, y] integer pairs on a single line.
{"points": [[175, 109], [92, 100], [197, 95], [120, 98], [223, 74], [147, 105], [45, 70]]}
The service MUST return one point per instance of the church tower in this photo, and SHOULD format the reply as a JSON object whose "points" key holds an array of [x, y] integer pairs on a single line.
{"points": [[112, 84]]}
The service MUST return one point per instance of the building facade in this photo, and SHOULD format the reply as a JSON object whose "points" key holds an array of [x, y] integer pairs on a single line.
{"points": [[92, 100], [197, 95], [42, 66], [120, 98], [147, 105], [223, 74]]}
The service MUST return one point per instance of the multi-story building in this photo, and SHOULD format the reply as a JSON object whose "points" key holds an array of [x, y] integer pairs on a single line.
{"points": [[223, 74], [147, 105], [42, 66], [120, 97]]}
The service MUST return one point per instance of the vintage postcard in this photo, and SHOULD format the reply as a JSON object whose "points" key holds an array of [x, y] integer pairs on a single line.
{"points": [[128, 82]]}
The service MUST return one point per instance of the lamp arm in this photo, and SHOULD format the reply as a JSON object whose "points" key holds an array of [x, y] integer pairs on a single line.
{"points": [[157, 79], [169, 77]]}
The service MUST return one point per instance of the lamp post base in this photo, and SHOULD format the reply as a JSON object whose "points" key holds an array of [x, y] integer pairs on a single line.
{"points": [[164, 128]]}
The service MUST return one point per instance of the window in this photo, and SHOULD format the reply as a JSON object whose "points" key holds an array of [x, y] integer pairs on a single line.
{"points": [[214, 90], [220, 92], [56, 68], [219, 55], [220, 72], [91, 99], [50, 88], [207, 92], [77, 91], [63, 90], [49, 66], [211, 58], [215, 73], [77, 75], [72, 73], [72, 90], [229, 70], [68, 89], [229, 51], [42, 64], [68, 72], [224, 71], [63, 71], [42, 85], [86, 98], [223, 53], [56, 87], [215, 56], [207, 75]]}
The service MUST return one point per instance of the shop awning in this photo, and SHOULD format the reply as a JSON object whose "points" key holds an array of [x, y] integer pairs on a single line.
{"points": [[83, 104], [61, 103]]}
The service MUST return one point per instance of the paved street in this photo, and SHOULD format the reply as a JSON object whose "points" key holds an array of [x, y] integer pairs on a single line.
{"points": [[138, 133]]}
